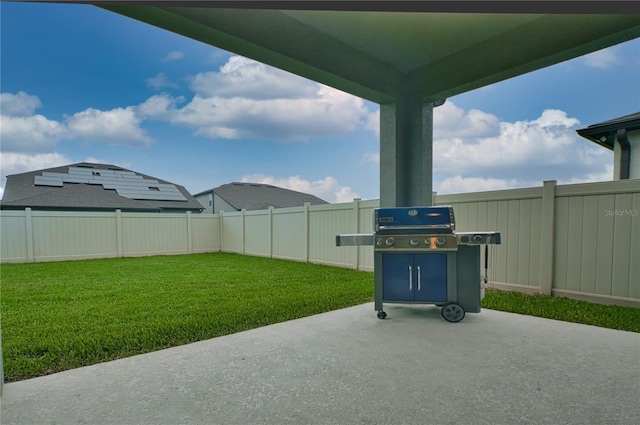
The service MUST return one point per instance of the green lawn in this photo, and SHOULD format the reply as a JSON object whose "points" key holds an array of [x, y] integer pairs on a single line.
{"points": [[62, 315]]}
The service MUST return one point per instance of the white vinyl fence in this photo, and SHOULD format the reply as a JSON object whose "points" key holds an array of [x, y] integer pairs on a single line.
{"points": [[580, 241], [27, 236]]}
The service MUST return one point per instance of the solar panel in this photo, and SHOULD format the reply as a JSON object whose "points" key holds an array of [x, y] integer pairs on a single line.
{"points": [[126, 183]]}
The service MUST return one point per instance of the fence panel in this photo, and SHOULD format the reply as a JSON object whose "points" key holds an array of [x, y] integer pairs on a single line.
{"points": [[65, 236], [13, 236], [257, 239], [325, 222], [154, 234], [206, 233], [598, 240], [290, 237], [232, 232]]}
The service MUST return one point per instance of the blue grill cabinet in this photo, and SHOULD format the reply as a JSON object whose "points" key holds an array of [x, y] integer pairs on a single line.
{"points": [[418, 258]]}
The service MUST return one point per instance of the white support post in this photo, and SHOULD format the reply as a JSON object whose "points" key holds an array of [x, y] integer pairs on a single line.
{"points": [[548, 236]]}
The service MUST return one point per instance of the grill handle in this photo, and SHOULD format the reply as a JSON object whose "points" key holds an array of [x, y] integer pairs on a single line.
{"points": [[417, 227], [419, 278], [410, 279]]}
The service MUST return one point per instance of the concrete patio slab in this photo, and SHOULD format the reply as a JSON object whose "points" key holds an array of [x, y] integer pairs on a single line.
{"points": [[348, 367]]}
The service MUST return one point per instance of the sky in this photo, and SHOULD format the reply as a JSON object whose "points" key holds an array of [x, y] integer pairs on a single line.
{"points": [[79, 83]]}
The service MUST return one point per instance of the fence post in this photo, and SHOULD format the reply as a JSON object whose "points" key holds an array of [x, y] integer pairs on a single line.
{"points": [[356, 220], [242, 218], [28, 221], [306, 232], [119, 233], [189, 234], [270, 230], [221, 213], [548, 236]]}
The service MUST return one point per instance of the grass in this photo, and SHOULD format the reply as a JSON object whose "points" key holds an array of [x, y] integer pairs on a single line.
{"points": [[605, 316], [63, 315]]}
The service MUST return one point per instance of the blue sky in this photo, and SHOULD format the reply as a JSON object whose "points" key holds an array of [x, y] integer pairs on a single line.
{"points": [[80, 83]]}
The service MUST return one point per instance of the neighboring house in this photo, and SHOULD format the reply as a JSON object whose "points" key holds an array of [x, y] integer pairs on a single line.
{"points": [[95, 187], [622, 136], [252, 196]]}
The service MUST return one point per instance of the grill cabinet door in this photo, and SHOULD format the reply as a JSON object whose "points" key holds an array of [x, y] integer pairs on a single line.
{"points": [[431, 277], [398, 280]]}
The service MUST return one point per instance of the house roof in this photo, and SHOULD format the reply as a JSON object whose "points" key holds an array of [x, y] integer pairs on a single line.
{"points": [[258, 196], [603, 133], [91, 186]]}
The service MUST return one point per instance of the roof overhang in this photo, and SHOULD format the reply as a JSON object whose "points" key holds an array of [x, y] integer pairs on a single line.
{"points": [[604, 133], [378, 50]]}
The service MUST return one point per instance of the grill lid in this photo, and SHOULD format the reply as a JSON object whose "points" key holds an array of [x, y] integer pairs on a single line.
{"points": [[424, 220]]}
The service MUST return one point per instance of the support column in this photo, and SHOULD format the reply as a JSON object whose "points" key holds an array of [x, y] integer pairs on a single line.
{"points": [[406, 152]]}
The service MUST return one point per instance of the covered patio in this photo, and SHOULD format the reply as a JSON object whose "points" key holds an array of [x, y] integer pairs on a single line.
{"points": [[346, 366]]}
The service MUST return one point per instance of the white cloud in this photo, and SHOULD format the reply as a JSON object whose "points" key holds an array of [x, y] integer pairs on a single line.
{"points": [[119, 126], [19, 104], [246, 78], [450, 121], [160, 81], [249, 99], [328, 188], [33, 133], [603, 59], [23, 131], [372, 122], [547, 147], [173, 56]]}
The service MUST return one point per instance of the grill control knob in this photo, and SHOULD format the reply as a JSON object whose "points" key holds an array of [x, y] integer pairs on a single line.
{"points": [[414, 242], [440, 241], [464, 239], [389, 242], [379, 242], [477, 238]]}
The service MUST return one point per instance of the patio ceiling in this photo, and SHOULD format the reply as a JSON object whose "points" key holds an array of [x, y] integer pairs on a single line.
{"points": [[433, 53]]}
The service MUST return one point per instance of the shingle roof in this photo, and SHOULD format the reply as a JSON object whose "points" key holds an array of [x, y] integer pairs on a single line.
{"points": [[26, 190], [602, 133], [258, 196]]}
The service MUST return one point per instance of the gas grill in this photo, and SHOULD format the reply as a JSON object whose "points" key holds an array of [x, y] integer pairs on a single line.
{"points": [[419, 258]]}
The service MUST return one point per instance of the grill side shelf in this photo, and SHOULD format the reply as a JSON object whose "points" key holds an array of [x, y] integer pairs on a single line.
{"points": [[355, 239]]}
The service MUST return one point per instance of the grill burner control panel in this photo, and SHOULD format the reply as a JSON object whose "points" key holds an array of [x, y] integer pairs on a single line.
{"points": [[416, 242]]}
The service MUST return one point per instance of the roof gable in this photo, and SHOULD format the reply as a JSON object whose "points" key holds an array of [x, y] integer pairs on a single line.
{"points": [[257, 196]]}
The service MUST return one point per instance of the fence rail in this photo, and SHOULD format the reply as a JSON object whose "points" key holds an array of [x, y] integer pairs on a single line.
{"points": [[580, 241]]}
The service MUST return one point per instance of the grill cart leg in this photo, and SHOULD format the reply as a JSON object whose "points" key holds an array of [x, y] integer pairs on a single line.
{"points": [[382, 314], [452, 312]]}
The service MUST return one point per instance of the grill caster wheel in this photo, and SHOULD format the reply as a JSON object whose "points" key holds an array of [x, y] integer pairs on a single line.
{"points": [[452, 312], [382, 315]]}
